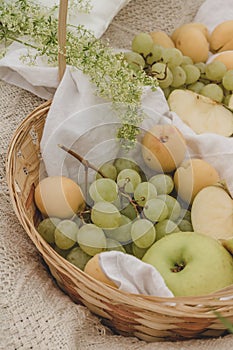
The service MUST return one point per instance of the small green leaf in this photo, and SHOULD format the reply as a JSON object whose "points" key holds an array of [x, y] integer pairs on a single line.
{"points": [[225, 321]]}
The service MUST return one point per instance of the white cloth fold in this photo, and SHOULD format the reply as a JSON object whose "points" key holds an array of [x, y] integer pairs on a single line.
{"points": [[133, 275], [211, 13]]}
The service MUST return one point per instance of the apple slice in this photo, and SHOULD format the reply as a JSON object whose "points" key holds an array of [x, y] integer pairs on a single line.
{"points": [[201, 113], [212, 212]]}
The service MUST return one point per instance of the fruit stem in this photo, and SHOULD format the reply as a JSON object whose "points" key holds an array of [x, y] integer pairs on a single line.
{"points": [[82, 160]]}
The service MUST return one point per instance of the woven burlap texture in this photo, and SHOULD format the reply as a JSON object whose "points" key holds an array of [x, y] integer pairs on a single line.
{"points": [[35, 313]]}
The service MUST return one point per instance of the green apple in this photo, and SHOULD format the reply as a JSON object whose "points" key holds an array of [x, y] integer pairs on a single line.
{"points": [[192, 264]]}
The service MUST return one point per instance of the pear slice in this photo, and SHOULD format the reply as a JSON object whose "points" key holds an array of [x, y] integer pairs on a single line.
{"points": [[201, 113], [212, 212]]}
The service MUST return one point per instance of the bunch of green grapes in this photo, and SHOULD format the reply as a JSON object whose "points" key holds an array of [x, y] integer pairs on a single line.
{"points": [[128, 212], [173, 70]]}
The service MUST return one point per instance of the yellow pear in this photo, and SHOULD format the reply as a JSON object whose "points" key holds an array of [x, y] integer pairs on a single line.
{"points": [[225, 57], [221, 38], [197, 25], [162, 39], [193, 175], [192, 42]]}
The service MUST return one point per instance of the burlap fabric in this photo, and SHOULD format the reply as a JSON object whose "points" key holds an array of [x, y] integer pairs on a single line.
{"points": [[35, 313]]}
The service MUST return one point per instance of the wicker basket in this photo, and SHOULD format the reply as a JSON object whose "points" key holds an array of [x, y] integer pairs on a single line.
{"points": [[148, 318]]}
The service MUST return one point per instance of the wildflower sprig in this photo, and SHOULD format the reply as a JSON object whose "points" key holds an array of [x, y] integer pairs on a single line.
{"points": [[37, 26]]}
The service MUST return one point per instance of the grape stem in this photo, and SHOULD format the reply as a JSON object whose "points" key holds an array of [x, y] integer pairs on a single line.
{"points": [[82, 160], [88, 165]]}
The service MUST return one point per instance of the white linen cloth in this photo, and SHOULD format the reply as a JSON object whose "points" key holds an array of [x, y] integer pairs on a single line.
{"points": [[133, 275], [76, 110]]}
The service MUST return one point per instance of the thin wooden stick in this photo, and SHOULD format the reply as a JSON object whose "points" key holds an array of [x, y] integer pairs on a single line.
{"points": [[62, 18], [82, 160]]}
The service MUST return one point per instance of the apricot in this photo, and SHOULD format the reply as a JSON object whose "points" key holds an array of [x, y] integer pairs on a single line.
{"points": [[191, 42], [94, 269], [225, 57], [162, 39], [192, 176], [183, 27], [58, 196], [163, 148], [221, 38]]}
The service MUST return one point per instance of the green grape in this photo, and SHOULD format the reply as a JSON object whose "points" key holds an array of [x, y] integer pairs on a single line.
{"points": [[196, 87], [62, 252], [172, 56], [78, 257], [227, 80], [142, 43], [185, 225], [185, 214], [186, 60], [112, 244], [128, 179], [226, 99], [201, 66], [105, 215], [129, 211], [143, 233], [155, 209], [77, 220], [192, 73], [143, 192], [155, 54], [125, 163], [165, 227], [179, 76], [66, 234], [135, 60], [163, 74], [128, 248], [46, 228], [91, 239], [215, 71], [173, 205], [108, 170], [212, 91], [167, 92], [138, 252], [121, 233], [164, 183], [103, 190]]}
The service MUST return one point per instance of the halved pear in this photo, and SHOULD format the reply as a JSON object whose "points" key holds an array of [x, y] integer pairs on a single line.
{"points": [[201, 113], [212, 212]]}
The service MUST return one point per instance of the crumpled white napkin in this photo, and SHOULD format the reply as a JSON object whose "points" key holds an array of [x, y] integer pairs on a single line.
{"points": [[133, 275], [211, 13]]}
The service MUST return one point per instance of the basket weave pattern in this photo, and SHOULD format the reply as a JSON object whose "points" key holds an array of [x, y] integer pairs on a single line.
{"points": [[148, 318]]}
